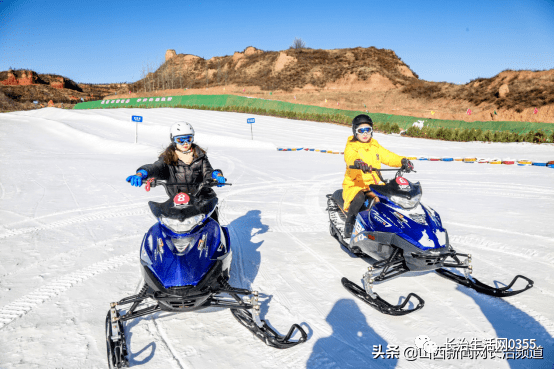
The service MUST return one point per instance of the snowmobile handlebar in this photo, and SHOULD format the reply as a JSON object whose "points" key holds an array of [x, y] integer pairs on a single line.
{"points": [[399, 171], [375, 169], [153, 182]]}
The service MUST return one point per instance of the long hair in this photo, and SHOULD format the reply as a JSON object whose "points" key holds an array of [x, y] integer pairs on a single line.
{"points": [[169, 155]]}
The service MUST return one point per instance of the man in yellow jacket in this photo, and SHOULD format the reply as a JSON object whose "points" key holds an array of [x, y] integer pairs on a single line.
{"points": [[365, 153]]}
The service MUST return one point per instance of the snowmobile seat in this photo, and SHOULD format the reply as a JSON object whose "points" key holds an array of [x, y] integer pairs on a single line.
{"points": [[337, 197]]}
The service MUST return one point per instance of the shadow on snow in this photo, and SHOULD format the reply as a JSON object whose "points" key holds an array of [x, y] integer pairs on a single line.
{"points": [[511, 323], [350, 345]]}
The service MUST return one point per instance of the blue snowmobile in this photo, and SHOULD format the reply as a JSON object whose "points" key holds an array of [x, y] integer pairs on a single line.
{"points": [[185, 262], [402, 235]]}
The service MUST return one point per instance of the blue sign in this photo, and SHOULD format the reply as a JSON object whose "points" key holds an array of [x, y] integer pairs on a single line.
{"points": [[136, 118], [35, 101], [250, 120]]}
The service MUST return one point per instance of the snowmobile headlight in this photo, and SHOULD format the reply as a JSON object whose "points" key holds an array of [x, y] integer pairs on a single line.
{"points": [[406, 203], [184, 226], [182, 244]]}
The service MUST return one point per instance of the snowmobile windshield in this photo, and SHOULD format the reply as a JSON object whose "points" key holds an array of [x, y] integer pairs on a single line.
{"points": [[196, 207], [398, 188]]}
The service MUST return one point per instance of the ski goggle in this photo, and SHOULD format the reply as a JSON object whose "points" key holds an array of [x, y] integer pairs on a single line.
{"points": [[183, 139], [364, 130]]}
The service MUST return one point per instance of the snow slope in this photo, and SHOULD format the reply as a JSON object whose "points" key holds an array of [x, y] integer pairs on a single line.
{"points": [[71, 228]]}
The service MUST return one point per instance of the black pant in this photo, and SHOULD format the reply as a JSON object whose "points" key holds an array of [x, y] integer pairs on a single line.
{"points": [[355, 207]]}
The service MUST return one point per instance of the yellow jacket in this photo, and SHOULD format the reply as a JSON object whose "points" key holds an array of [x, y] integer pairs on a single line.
{"points": [[371, 153]]}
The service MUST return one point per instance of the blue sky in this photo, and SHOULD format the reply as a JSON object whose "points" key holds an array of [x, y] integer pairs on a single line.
{"points": [[110, 41]]}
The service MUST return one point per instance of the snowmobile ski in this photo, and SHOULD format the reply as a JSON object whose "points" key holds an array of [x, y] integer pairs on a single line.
{"points": [[374, 300], [115, 341], [473, 283], [265, 333]]}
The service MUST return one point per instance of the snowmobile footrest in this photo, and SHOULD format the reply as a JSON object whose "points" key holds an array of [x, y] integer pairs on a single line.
{"points": [[480, 287], [267, 334], [380, 304]]}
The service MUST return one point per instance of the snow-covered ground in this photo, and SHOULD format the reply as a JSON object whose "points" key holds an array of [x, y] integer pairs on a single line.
{"points": [[72, 227]]}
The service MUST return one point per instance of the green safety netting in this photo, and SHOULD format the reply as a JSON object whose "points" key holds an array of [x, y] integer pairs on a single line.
{"points": [[216, 101]]}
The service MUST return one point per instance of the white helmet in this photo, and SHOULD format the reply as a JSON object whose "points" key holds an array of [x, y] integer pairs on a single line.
{"points": [[180, 128]]}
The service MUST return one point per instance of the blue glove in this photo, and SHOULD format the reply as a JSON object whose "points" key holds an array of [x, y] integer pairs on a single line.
{"points": [[219, 177], [136, 180], [221, 180]]}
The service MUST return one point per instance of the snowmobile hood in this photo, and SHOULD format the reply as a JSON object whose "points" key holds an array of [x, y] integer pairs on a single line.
{"points": [[420, 226], [174, 268]]}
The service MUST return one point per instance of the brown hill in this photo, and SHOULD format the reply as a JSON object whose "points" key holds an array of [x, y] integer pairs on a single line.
{"points": [[19, 88], [359, 68], [370, 79]]}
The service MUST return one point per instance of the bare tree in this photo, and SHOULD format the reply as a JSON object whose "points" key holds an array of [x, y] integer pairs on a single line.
{"points": [[172, 76], [168, 76], [143, 76], [148, 77], [298, 43], [162, 73], [152, 77], [165, 77], [218, 64]]}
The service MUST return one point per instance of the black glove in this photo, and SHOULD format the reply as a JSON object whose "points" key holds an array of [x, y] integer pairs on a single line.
{"points": [[361, 165], [407, 165]]}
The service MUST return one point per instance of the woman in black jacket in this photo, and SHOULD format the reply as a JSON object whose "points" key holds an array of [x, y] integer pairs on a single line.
{"points": [[183, 163]]}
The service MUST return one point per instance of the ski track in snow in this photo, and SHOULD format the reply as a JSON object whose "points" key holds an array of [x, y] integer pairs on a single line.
{"points": [[167, 344], [23, 305], [74, 252], [527, 235], [126, 204], [74, 220], [301, 277], [527, 253]]}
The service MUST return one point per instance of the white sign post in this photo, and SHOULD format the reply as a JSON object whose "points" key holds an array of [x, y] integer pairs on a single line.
{"points": [[136, 120], [250, 121]]}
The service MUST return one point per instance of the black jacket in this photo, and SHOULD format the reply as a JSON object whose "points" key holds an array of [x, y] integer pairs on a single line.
{"points": [[188, 176]]}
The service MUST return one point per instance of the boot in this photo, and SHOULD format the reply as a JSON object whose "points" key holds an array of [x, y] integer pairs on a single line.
{"points": [[353, 210], [348, 227]]}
